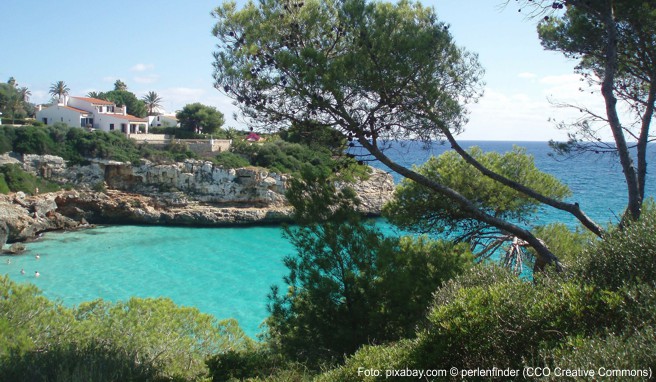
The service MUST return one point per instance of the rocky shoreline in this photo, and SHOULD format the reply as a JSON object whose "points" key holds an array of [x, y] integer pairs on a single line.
{"points": [[192, 193]]}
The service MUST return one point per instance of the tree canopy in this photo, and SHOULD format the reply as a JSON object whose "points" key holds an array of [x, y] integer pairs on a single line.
{"points": [[199, 118], [417, 208], [128, 99], [60, 90], [615, 44], [373, 70], [13, 100]]}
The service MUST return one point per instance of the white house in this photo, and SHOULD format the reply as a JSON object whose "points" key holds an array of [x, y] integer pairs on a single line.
{"points": [[163, 120], [93, 113]]}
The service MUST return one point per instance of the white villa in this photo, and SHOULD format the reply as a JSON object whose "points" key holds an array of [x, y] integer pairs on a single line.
{"points": [[163, 120], [93, 113]]}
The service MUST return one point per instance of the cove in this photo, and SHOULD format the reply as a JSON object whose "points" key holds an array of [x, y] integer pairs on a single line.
{"points": [[226, 272]]}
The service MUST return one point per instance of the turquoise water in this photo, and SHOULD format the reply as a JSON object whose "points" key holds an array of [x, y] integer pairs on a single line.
{"points": [[227, 272]]}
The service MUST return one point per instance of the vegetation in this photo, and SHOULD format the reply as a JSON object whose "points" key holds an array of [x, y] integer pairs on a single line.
{"points": [[199, 118], [417, 208], [75, 144], [615, 45], [14, 101], [489, 317], [354, 299], [122, 97], [348, 284], [346, 66], [152, 101], [60, 90], [14, 179], [137, 340]]}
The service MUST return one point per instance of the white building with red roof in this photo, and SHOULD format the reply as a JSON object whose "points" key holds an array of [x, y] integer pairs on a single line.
{"points": [[93, 113]]}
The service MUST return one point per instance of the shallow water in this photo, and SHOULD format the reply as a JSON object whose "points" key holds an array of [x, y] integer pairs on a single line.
{"points": [[226, 272]]}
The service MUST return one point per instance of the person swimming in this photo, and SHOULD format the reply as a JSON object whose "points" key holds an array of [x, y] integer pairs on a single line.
{"points": [[37, 274], [37, 256], [22, 271]]}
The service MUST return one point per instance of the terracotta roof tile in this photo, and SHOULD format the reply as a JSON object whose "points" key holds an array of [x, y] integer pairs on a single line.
{"points": [[95, 101]]}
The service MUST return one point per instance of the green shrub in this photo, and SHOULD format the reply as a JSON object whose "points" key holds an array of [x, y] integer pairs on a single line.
{"points": [[255, 363], [625, 257], [281, 156], [358, 367], [33, 140], [133, 340], [14, 179], [566, 244], [70, 362], [633, 352], [4, 187], [229, 159], [502, 323]]}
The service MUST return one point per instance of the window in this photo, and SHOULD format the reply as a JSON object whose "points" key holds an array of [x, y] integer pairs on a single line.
{"points": [[111, 126]]}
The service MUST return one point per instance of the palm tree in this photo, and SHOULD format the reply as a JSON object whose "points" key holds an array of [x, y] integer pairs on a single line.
{"points": [[153, 102], [94, 94], [59, 90], [25, 94]]}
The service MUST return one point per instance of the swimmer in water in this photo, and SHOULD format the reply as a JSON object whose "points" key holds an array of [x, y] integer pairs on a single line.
{"points": [[8, 261], [37, 257], [37, 274], [22, 271]]}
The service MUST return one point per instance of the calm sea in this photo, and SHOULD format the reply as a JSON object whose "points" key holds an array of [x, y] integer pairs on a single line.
{"points": [[227, 272]]}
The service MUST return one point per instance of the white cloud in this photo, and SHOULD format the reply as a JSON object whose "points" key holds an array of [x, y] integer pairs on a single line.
{"points": [[527, 75], [142, 67], [147, 79]]}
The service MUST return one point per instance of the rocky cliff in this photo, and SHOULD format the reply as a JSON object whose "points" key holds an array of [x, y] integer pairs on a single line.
{"points": [[188, 193]]}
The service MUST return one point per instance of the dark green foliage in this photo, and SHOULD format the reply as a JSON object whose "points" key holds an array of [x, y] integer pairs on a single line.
{"points": [[128, 99], [4, 187], [625, 257], [505, 322], [33, 140], [397, 356], [283, 157], [14, 179], [197, 118], [229, 159], [75, 144], [348, 285], [418, 208], [69, 362], [314, 135], [258, 363]]}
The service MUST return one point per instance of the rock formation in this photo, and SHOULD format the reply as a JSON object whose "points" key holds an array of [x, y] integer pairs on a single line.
{"points": [[193, 192]]}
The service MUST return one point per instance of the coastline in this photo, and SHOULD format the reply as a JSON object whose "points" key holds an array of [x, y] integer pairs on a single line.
{"points": [[192, 193]]}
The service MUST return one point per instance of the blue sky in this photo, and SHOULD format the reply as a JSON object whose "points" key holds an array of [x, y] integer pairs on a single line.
{"points": [[166, 46]]}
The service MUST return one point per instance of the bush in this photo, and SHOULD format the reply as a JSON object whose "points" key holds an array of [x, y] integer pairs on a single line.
{"points": [[505, 322], [102, 341], [281, 156], [566, 244], [625, 257], [229, 159], [70, 362], [14, 179], [619, 354]]}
